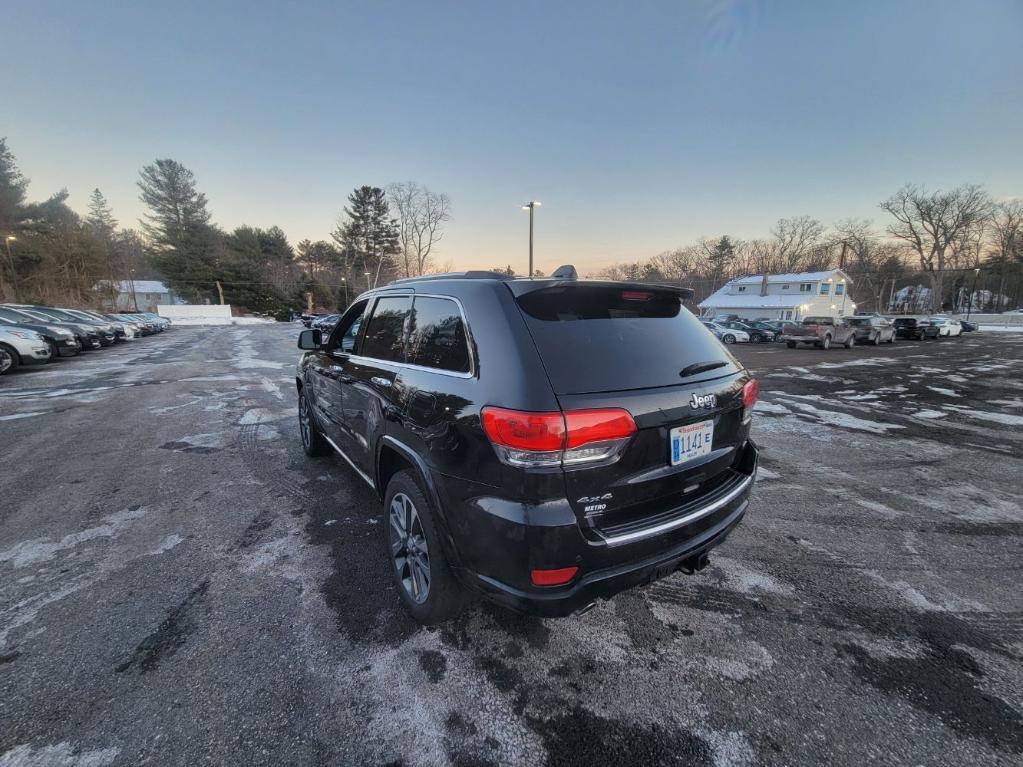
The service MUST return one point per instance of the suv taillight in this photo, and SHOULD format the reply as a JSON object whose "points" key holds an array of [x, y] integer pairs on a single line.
{"points": [[557, 438], [750, 394]]}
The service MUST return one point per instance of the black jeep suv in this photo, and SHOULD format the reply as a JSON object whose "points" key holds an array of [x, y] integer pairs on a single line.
{"points": [[545, 442]]}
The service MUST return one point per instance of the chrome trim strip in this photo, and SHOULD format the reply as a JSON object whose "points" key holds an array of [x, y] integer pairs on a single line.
{"points": [[664, 527], [358, 471]]}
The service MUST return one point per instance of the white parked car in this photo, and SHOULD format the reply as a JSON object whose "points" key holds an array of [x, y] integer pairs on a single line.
{"points": [[22, 347], [947, 328], [731, 333]]}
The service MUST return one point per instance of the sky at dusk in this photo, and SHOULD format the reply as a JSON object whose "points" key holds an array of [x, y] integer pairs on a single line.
{"points": [[641, 126]]}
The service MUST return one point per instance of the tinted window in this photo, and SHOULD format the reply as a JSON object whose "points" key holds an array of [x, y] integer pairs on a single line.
{"points": [[385, 338], [437, 336], [596, 338]]}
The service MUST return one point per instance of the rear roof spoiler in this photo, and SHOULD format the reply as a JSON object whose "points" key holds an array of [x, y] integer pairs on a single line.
{"points": [[522, 287]]}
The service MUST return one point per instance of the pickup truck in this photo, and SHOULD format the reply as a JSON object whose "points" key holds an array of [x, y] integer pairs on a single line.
{"points": [[822, 332]]}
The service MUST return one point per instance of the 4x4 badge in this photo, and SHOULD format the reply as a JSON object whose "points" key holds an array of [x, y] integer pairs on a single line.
{"points": [[703, 400]]}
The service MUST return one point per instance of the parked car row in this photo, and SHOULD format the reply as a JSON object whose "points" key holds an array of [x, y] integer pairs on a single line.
{"points": [[824, 332], [35, 334]]}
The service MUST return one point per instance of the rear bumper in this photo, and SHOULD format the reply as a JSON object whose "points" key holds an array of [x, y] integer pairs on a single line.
{"points": [[497, 548]]}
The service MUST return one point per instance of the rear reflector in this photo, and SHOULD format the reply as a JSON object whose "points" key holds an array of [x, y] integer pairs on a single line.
{"points": [[558, 577], [553, 438], [750, 393]]}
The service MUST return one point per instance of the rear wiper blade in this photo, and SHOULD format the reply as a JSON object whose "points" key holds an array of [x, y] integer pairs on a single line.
{"points": [[701, 367]]}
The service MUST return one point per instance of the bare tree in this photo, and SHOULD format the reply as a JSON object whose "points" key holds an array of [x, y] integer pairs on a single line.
{"points": [[677, 265], [934, 223], [421, 218], [1006, 241], [797, 244]]}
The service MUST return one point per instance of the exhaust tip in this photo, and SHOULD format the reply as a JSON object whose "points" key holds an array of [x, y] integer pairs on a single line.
{"points": [[586, 609]]}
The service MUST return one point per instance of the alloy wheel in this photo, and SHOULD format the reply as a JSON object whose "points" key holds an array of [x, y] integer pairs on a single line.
{"points": [[409, 550]]}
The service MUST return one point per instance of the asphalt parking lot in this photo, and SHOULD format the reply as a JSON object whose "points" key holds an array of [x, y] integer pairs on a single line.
{"points": [[180, 585]]}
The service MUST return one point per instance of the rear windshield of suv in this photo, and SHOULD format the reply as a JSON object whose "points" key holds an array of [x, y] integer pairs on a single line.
{"points": [[597, 338]]}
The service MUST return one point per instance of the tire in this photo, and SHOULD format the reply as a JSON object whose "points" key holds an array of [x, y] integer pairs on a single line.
{"points": [[756, 339], [850, 343], [791, 344], [13, 354], [877, 340], [313, 442], [424, 581], [892, 339], [826, 343], [6, 360], [728, 339]]}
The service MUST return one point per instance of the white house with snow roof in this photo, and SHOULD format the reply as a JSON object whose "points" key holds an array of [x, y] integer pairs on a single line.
{"points": [[782, 296]]}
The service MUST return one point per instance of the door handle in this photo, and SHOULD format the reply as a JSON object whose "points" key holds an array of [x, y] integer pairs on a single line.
{"points": [[380, 381]]}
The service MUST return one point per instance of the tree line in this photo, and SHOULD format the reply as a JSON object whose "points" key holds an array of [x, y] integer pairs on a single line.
{"points": [[930, 249], [931, 244], [54, 255]]}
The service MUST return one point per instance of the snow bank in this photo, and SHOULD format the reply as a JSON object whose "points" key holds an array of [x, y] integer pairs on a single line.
{"points": [[185, 321], [1002, 328]]}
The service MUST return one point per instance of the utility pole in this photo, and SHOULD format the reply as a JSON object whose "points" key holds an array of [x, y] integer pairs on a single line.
{"points": [[345, 283], [969, 306], [531, 206], [14, 276]]}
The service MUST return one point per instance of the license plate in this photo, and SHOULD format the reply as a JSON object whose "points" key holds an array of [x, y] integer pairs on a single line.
{"points": [[690, 441]]}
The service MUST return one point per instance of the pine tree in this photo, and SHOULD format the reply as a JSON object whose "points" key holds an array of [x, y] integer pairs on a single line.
{"points": [[183, 244], [12, 200], [367, 236], [721, 256]]}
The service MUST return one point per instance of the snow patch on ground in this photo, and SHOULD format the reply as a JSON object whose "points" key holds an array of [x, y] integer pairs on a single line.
{"points": [[885, 511], [44, 549], [946, 392], [983, 415], [865, 362], [770, 407], [844, 420], [929, 414], [767, 474], [256, 415], [168, 543], [60, 755], [745, 579], [16, 416]]}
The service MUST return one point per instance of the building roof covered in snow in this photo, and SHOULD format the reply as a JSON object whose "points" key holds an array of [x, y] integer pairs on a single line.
{"points": [[756, 279]]}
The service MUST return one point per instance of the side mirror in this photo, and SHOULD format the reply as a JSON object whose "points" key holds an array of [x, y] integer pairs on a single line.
{"points": [[310, 339]]}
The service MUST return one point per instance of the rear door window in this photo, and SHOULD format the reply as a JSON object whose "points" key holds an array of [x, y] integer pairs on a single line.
{"points": [[385, 333], [595, 338], [437, 335]]}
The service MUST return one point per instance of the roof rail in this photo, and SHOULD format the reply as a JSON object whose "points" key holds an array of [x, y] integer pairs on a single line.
{"points": [[469, 275]]}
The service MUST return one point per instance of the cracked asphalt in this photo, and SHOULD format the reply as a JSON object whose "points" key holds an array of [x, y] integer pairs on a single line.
{"points": [[180, 585]]}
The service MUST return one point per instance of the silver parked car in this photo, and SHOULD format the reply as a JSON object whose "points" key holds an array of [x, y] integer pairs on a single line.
{"points": [[22, 347]]}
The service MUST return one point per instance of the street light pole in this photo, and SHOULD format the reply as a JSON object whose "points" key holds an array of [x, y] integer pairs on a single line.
{"points": [[531, 206], [367, 280], [10, 259], [969, 306], [345, 283]]}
